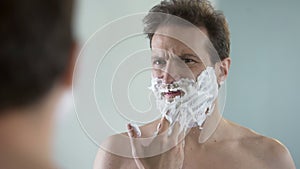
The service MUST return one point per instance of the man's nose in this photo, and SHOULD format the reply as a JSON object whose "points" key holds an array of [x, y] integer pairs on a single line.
{"points": [[167, 78], [170, 73]]}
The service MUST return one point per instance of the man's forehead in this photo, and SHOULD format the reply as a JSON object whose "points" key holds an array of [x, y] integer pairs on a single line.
{"points": [[183, 32], [179, 40], [162, 43], [172, 51]]}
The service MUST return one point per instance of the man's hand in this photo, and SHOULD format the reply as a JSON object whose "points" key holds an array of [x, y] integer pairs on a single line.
{"points": [[167, 148]]}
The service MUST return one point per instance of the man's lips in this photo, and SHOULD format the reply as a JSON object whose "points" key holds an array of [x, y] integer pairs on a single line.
{"points": [[171, 94]]}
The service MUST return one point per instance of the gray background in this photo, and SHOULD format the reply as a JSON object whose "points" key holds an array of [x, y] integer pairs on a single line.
{"points": [[263, 83]]}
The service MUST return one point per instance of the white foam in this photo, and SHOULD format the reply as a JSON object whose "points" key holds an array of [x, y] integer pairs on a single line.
{"points": [[192, 108]]}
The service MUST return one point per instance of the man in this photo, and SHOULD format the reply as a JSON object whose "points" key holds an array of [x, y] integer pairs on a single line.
{"points": [[191, 133], [36, 65]]}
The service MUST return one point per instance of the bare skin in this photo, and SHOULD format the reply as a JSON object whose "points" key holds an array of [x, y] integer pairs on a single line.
{"points": [[230, 146]]}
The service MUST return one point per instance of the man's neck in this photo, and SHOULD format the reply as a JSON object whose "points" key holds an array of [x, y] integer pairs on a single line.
{"points": [[213, 130]]}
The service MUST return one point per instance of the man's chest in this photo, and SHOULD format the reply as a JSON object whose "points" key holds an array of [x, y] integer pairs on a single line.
{"points": [[222, 158], [216, 161], [216, 157]]}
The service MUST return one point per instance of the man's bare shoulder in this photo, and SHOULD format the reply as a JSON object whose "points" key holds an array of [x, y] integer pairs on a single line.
{"points": [[272, 152]]}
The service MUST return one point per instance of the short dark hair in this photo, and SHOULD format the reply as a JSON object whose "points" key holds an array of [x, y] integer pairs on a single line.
{"points": [[35, 45], [198, 13]]}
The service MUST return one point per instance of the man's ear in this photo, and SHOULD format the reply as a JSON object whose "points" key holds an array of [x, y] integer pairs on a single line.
{"points": [[68, 77], [222, 70]]}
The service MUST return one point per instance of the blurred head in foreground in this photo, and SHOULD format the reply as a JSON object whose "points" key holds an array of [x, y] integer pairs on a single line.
{"points": [[36, 65]]}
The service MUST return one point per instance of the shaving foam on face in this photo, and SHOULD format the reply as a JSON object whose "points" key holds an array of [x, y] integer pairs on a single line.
{"points": [[194, 105]]}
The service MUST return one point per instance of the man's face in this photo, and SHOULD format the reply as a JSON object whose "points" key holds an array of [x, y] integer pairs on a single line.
{"points": [[172, 59]]}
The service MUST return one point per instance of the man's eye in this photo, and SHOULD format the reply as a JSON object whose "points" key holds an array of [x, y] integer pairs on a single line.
{"points": [[159, 62], [189, 61]]}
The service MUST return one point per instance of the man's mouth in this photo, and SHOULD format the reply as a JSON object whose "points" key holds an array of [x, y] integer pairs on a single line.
{"points": [[171, 94]]}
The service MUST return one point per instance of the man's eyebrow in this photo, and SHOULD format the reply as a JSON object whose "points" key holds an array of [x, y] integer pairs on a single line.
{"points": [[188, 55], [158, 56], [155, 57]]}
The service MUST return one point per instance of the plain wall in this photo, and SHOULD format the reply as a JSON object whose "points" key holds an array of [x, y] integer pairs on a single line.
{"points": [[263, 86]]}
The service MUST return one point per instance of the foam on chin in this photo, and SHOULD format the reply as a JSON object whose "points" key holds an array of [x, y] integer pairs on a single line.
{"points": [[191, 109]]}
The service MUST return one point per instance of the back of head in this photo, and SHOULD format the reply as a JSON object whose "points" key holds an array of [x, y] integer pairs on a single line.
{"points": [[35, 44], [35, 52]]}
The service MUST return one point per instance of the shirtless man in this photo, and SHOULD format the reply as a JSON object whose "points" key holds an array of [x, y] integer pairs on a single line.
{"points": [[229, 146], [37, 55]]}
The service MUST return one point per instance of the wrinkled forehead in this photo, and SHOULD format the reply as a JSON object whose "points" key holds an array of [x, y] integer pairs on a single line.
{"points": [[178, 39], [183, 32]]}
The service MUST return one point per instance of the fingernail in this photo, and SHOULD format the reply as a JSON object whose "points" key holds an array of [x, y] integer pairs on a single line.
{"points": [[159, 126]]}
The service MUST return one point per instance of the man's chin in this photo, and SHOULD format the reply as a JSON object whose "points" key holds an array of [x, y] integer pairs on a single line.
{"points": [[171, 99]]}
